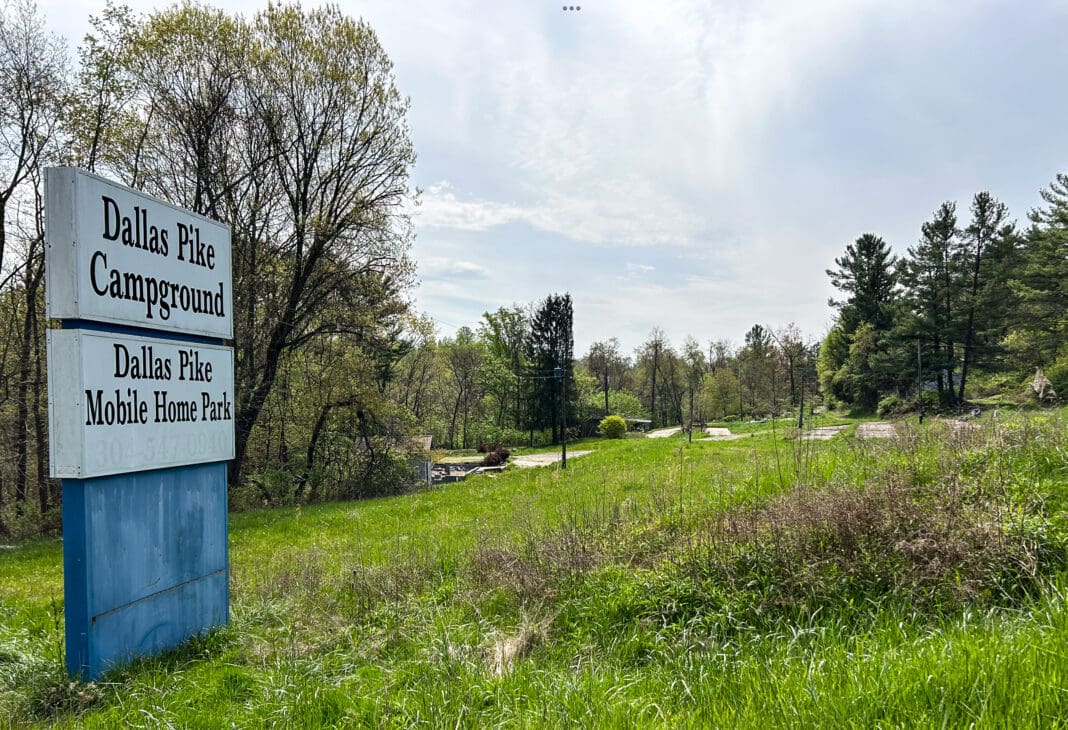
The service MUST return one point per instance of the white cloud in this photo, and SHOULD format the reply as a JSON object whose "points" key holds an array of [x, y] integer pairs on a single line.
{"points": [[436, 267], [440, 208], [626, 124]]}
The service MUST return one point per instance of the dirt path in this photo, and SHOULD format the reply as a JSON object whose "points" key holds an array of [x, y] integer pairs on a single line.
{"points": [[662, 433]]}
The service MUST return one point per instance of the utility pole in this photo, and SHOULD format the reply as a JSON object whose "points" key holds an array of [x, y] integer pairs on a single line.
{"points": [[561, 376], [690, 429], [652, 396], [530, 413], [606, 391]]}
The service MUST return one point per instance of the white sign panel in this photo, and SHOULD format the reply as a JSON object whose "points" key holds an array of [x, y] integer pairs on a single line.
{"points": [[116, 255], [119, 403]]}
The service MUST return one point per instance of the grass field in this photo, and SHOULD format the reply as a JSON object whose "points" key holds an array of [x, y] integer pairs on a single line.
{"points": [[751, 583]]}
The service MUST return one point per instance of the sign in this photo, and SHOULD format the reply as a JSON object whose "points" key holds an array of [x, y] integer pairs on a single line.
{"points": [[120, 403], [140, 427], [116, 255]]}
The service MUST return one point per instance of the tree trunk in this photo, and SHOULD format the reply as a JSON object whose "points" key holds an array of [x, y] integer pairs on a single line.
{"points": [[29, 331], [452, 423], [261, 380], [793, 383], [969, 333], [950, 354], [652, 405], [313, 444], [606, 392], [38, 425], [466, 409]]}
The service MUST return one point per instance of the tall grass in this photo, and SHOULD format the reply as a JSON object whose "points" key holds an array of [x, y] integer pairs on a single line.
{"points": [[760, 582]]}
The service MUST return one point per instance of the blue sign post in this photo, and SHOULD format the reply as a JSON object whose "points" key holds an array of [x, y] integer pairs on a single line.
{"points": [[141, 417], [145, 563]]}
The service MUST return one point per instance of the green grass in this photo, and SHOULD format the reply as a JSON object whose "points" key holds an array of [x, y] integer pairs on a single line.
{"points": [[747, 583]]}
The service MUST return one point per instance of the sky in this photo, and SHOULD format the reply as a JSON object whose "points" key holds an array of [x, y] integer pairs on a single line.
{"points": [[697, 166]]}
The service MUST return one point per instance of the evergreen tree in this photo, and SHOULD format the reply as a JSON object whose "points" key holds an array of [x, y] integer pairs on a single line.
{"points": [[756, 370], [987, 254], [866, 274], [1041, 281], [551, 345], [854, 369], [931, 278]]}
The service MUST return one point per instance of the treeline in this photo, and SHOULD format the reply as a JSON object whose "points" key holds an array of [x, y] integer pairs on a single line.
{"points": [[498, 382], [979, 301]]}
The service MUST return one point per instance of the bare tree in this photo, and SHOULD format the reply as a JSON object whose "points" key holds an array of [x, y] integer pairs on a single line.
{"points": [[33, 68], [33, 85], [290, 129]]}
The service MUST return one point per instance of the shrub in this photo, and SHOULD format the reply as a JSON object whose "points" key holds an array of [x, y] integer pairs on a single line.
{"points": [[489, 448], [498, 456], [613, 427], [933, 402], [889, 405], [840, 546]]}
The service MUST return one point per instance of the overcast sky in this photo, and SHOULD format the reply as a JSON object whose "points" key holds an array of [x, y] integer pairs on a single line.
{"points": [[698, 165]]}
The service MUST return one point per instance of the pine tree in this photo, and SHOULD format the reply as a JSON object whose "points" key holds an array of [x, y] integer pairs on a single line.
{"points": [[1041, 281], [866, 274], [987, 254], [931, 280], [551, 345]]}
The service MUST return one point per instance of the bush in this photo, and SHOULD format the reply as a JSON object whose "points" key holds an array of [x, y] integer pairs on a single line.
{"points": [[933, 402], [889, 406], [498, 456], [841, 546], [1058, 377], [613, 427], [490, 448], [893, 405]]}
